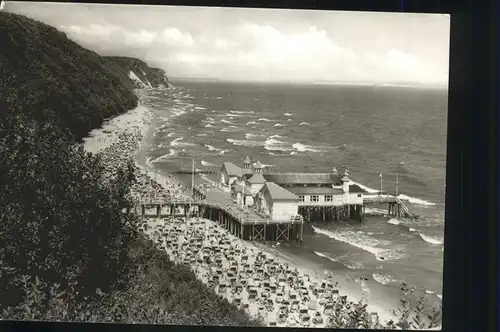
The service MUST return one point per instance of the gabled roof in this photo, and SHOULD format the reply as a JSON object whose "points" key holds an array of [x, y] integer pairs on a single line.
{"points": [[258, 164], [315, 191], [354, 188], [246, 171], [232, 169], [257, 178], [247, 160], [302, 178], [277, 193]]}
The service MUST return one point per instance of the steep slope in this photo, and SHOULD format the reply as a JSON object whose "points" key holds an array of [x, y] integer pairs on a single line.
{"points": [[49, 77], [139, 72]]}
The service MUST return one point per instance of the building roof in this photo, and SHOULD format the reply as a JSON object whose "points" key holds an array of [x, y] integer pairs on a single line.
{"points": [[257, 178], [316, 191], [232, 169], [258, 164], [302, 178], [278, 193], [246, 171], [247, 160], [354, 188]]}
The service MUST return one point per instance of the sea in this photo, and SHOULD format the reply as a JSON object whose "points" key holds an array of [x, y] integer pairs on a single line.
{"points": [[370, 130]]}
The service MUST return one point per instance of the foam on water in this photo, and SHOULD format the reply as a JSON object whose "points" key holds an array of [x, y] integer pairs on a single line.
{"points": [[383, 279], [264, 119], [430, 239], [304, 124], [171, 153], [178, 142], [245, 142], [251, 123], [287, 114], [361, 241], [303, 148], [414, 200], [352, 266]]}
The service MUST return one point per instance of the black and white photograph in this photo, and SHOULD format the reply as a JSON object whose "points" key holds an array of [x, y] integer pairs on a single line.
{"points": [[183, 165]]}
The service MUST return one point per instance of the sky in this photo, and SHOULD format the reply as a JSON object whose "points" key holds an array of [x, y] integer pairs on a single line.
{"points": [[243, 44]]}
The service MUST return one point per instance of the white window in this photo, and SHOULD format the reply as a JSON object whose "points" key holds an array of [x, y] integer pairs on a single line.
{"points": [[328, 198], [301, 198], [315, 198]]}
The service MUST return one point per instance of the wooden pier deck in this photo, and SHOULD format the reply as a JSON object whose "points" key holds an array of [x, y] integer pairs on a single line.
{"points": [[246, 224], [396, 207]]}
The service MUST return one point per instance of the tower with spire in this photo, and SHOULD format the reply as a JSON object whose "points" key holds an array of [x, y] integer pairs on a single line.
{"points": [[257, 168], [247, 163]]}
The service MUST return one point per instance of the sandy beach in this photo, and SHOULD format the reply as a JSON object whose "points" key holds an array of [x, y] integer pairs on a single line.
{"points": [[264, 282]]}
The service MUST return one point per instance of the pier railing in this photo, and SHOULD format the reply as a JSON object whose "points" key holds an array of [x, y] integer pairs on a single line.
{"points": [[243, 216]]}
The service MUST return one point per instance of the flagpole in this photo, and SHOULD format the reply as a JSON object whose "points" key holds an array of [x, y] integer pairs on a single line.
{"points": [[397, 185], [381, 186], [192, 181]]}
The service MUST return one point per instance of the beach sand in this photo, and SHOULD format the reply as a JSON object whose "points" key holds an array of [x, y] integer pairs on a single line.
{"points": [[210, 250]]}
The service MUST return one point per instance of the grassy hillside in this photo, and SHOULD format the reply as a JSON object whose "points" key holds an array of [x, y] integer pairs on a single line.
{"points": [[147, 75], [49, 77]]}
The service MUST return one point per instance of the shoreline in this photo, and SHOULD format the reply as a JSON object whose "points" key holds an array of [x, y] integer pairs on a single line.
{"points": [[104, 137]]}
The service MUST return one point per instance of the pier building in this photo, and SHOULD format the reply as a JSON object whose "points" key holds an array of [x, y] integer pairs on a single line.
{"points": [[314, 196]]}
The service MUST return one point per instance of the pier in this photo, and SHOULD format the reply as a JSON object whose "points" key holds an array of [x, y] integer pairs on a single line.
{"points": [[395, 207], [246, 225]]}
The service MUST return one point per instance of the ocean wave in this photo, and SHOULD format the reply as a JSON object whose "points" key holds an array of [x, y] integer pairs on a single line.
{"points": [[394, 221], [225, 121], [428, 291], [383, 279], [375, 211], [363, 242], [412, 229], [272, 144], [368, 189], [177, 142], [414, 200], [287, 114], [199, 108], [178, 112], [302, 148], [250, 135], [430, 239], [304, 124], [248, 143], [264, 119], [208, 125], [351, 266], [251, 122], [172, 153], [242, 112], [170, 134], [278, 125], [207, 164], [213, 148]]}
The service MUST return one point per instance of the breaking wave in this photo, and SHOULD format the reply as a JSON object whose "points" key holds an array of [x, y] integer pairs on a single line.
{"points": [[430, 239], [242, 112], [249, 143], [352, 266], [414, 200], [207, 164], [303, 148], [171, 153], [383, 279], [177, 142], [363, 242], [251, 122], [304, 124], [264, 119], [287, 114]]}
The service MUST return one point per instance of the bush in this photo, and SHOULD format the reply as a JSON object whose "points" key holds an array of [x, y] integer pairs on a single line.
{"points": [[61, 221]]}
